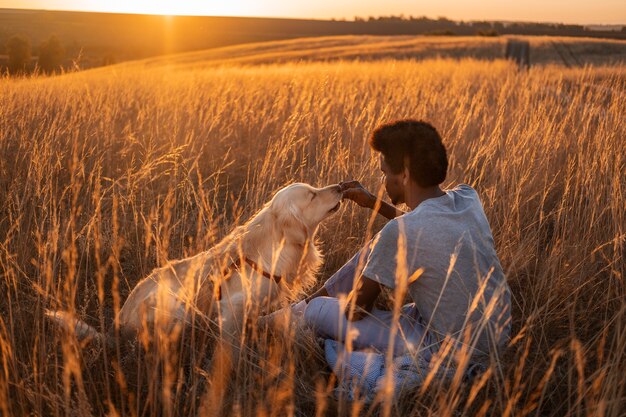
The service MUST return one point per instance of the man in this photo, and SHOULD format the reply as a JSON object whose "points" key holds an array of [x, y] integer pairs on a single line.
{"points": [[442, 249]]}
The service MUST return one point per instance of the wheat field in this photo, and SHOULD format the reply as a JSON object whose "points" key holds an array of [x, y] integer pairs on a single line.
{"points": [[107, 174]]}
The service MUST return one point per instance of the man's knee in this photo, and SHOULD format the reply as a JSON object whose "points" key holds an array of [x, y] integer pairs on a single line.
{"points": [[319, 310], [313, 311]]}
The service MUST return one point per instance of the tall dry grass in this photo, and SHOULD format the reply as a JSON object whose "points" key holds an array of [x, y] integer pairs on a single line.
{"points": [[106, 175]]}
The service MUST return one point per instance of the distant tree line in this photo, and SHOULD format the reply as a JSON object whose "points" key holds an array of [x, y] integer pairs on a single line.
{"points": [[423, 25], [50, 55]]}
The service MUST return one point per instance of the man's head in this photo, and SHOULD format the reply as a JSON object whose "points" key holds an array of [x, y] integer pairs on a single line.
{"points": [[410, 150]]}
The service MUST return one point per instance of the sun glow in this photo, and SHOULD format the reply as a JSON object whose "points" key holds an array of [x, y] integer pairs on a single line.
{"points": [[162, 7], [155, 7], [577, 11]]}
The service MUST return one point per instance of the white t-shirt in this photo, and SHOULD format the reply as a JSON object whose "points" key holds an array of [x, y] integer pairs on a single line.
{"points": [[462, 282]]}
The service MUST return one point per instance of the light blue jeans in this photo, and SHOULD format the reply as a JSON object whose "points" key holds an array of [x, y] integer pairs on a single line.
{"points": [[327, 317]]}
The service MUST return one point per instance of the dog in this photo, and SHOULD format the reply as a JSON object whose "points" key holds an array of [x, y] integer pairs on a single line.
{"points": [[269, 256]]}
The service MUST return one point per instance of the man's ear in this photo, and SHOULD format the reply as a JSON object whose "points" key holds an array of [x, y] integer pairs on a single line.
{"points": [[405, 176]]}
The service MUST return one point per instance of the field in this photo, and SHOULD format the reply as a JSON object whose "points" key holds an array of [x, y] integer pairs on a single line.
{"points": [[106, 174]]}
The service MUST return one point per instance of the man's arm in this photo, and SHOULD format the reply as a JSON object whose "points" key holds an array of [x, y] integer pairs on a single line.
{"points": [[366, 292], [387, 210], [354, 190]]}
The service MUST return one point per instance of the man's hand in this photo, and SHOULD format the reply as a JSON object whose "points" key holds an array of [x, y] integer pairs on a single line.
{"points": [[354, 190]]}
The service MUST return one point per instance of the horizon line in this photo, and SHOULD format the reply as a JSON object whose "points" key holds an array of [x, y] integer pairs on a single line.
{"points": [[330, 19]]}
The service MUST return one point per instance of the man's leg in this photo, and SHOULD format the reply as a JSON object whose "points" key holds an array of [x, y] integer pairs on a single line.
{"points": [[326, 315], [342, 281]]}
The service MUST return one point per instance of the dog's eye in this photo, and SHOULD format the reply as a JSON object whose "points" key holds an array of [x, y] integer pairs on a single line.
{"points": [[313, 195]]}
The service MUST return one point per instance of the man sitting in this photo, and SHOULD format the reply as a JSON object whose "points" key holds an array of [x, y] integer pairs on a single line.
{"points": [[442, 251]]}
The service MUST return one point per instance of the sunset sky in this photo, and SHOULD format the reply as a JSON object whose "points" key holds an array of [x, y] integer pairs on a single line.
{"points": [[563, 11]]}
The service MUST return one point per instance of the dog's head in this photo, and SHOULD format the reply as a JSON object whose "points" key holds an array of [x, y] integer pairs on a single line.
{"points": [[300, 208]]}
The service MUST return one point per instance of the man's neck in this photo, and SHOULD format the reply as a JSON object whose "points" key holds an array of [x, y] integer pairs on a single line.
{"points": [[415, 194]]}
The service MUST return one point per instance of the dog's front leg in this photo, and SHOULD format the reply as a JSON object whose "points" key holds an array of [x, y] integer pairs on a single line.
{"points": [[232, 322]]}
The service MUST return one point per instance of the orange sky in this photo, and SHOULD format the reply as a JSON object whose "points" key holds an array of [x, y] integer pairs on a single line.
{"points": [[562, 11]]}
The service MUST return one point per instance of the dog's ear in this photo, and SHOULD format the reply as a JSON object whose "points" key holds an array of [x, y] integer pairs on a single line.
{"points": [[288, 224]]}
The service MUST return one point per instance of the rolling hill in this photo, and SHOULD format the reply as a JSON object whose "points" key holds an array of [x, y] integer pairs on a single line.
{"points": [[573, 52]]}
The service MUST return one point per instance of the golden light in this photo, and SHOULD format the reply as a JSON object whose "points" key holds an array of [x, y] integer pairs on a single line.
{"points": [[162, 7], [577, 11]]}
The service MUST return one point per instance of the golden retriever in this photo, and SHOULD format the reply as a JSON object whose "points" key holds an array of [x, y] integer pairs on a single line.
{"points": [[246, 271]]}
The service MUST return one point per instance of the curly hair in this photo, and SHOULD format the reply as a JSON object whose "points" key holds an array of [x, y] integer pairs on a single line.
{"points": [[413, 144]]}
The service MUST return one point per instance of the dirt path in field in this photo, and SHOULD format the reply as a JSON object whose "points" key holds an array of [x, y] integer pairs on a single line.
{"points": [[568, 57]]}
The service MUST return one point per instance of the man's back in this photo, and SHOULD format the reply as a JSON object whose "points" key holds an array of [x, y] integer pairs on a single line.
{"points": [[449, 237]]}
